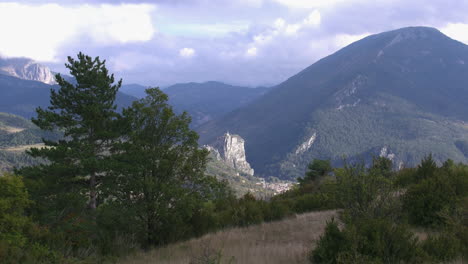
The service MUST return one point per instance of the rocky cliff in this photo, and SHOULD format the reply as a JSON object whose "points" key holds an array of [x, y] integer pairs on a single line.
{"points": [[230, 149], [26, 69]]}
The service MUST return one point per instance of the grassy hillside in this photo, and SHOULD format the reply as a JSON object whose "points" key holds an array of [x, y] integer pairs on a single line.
{"points": [[286, 241], [18, 134]]}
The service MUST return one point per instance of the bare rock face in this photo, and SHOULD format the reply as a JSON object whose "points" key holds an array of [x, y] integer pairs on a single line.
{"points": [[26, 69], [230, 149]]}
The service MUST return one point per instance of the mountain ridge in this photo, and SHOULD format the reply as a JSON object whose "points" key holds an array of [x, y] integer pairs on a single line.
{"points": [[417, 65], [26, 69]]}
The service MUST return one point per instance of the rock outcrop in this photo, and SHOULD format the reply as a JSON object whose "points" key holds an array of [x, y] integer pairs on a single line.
{"points": [[26, 69], [230, 149]]}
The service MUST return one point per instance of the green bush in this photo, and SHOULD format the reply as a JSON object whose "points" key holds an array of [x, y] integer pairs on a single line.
{"points": [[405, 177], [384, 240], [442, 248], [444, 190], [19, 236], [368, 241], [249, 211], [330, 245]]}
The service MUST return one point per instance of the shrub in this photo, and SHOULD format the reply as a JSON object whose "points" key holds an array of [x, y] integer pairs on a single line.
{"points": [[383, 240], [442, 248], [367, 241], [405, 177], [330, 245], [443, 191], [17, 232]]}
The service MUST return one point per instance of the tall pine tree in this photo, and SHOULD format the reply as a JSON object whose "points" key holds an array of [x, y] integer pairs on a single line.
{"points": [[84, 112]]}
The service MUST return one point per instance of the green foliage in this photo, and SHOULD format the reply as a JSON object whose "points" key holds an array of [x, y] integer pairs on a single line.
{"points": [[330, 245], [383, 240], [19, 236], [158, 169], [372, 240], [315, 170], [405, 177], [440, 189], [442, 248], [84, 112], [13, 202], [426, 169], [382, 166], [365, 193]]}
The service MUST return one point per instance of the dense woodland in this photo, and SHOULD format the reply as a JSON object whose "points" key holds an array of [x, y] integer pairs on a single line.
{"points": [[117, 182]]}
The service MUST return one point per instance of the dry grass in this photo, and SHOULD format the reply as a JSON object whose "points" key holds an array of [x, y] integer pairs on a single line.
{"points": [[286, 241], [23, 147]]}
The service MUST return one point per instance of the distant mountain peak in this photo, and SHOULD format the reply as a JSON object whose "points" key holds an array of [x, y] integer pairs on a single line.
{"points": [[26, 69], [398, 89]]}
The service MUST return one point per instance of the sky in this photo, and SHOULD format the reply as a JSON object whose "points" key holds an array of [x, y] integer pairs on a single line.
{"points": [[242, 42]]}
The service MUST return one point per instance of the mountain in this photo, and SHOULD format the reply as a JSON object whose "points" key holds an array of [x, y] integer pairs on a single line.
{"points": [[203, 101], [21, 97], [210, 100], [26, 69], [401, 94], [136, 90]]}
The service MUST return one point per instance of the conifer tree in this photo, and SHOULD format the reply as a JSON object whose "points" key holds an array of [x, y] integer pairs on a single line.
{"points": [[84, 112], [159, 170]]}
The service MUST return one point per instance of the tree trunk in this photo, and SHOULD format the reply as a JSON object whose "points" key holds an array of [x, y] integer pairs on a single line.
{"points": [[92, 192]]}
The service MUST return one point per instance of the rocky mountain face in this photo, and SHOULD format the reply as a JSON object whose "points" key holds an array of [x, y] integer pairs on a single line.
{"points": [[230, 149], [401, 94], [26, 69]]}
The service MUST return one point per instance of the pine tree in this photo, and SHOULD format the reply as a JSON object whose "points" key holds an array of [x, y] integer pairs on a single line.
{"points": [[85, 113], [158, 174]]}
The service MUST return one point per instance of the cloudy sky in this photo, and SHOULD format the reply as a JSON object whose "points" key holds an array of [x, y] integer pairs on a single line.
{"points": [[246, 42]]}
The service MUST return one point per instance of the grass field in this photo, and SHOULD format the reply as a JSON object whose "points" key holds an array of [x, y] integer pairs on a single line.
{"points": [[286, 241]]}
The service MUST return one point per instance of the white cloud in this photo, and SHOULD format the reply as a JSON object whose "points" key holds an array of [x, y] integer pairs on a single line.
{"points": [[309, 3], [205, 30], [314, 19], [251, 52], [456, 31], [187, 52], [252, 3], [343, 40], [280, 29], [38, 31]]}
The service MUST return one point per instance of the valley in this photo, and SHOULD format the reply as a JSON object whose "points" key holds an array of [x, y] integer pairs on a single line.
{"points": [[360, 157]]}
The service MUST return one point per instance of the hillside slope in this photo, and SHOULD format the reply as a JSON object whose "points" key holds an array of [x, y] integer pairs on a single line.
{"points": [[22, 97], [203, 101], [397, 91], [210, 100], [18, 134], [286, 241]]}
